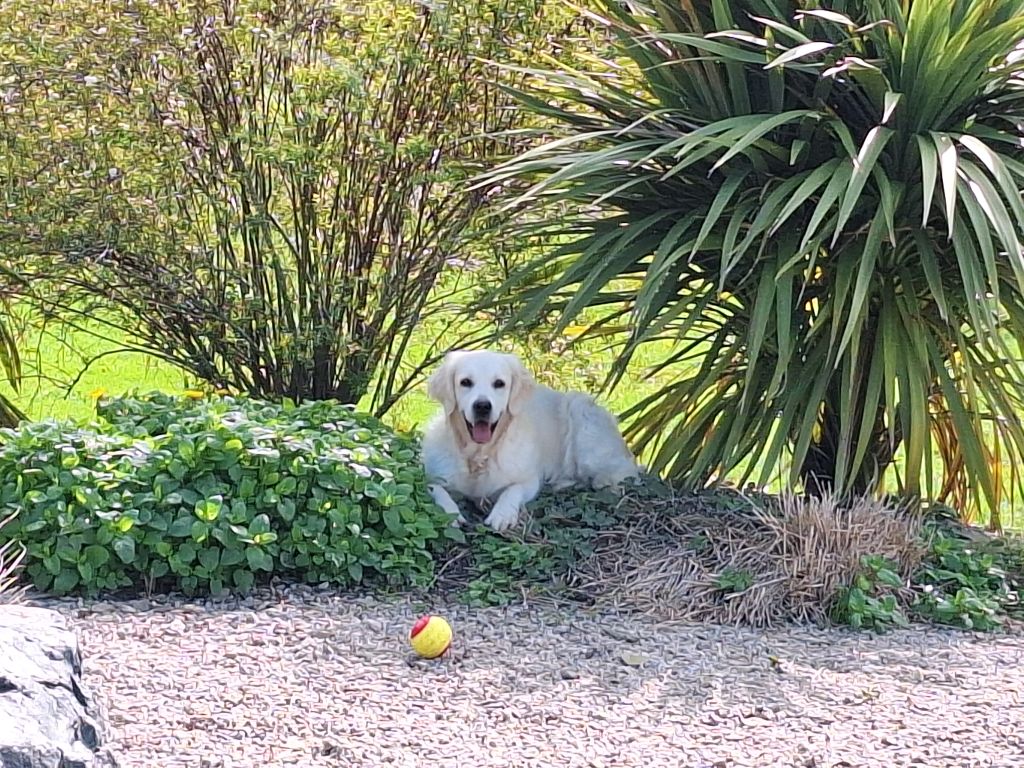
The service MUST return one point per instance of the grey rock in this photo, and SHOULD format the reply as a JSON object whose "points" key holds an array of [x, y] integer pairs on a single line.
{"points": [[47, 719]]}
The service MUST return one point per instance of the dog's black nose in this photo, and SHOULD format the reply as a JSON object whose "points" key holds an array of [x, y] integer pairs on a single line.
{"points": [[482, 409]]}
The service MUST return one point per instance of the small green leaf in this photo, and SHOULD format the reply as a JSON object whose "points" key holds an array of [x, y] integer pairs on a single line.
{"points": [[230, 557], [187, 553], [209, 509], [124, 548], [209, 558], [186, 450], [259, 560], [889, 578], [66, 581], [96, 555], [182, 527], [393, 522], [243, 580], [286, 509], [247, 487], [200, 531], [455, 534], [259, 524]]}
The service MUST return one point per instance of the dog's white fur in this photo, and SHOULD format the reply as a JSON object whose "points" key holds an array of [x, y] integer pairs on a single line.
{"points": [[533, 436]]}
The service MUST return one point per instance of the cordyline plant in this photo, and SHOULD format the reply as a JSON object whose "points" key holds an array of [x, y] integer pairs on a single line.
{"points": [[261, 193], [820, 210]]}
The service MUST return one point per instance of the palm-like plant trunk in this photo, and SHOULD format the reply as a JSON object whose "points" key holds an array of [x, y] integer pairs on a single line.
{"points": [[820, 473]]}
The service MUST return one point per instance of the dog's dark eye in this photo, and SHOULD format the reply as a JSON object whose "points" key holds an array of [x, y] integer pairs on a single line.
{"points": [[499, 383], [466, 383]]}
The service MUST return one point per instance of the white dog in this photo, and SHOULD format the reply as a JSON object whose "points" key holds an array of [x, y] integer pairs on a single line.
{"points": [[501, 436]]}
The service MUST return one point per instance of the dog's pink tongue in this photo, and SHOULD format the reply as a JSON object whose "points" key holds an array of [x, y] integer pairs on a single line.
{"points": [[481, 432]]}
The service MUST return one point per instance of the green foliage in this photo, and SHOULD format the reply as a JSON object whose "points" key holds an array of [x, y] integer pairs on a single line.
{"points": [[732, 580], [965, 586], [264, 195], [818, 210], [970, 582], [505, 570], [870, 602], [213, 495], [563, 530]]}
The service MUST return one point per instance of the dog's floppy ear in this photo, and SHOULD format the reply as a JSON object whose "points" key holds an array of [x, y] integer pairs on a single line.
{"points": [[440, 386], [522, 385]]}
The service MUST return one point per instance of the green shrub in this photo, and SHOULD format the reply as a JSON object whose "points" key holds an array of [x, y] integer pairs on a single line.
{"points": [[733, 580], [871, 602], [563, 530], [212, 495], [967, 585], [968, 580]]}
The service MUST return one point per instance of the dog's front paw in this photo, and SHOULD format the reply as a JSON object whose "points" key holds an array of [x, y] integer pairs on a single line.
{"points": [[502, 517]]}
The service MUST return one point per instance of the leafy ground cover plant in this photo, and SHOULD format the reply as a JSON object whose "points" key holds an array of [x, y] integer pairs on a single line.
{"points": [[972, 582], [967, 579], [871, 601], [543, 561], [213, 494]]}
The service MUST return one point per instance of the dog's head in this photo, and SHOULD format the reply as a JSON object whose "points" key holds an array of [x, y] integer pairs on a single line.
{"points": [[482, 387]]}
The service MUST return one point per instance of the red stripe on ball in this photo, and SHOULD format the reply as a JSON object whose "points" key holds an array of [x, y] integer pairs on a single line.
{"points": [[420, 625]]}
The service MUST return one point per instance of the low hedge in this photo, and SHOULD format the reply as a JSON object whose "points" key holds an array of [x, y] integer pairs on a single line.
{"points": [[213, 494]]}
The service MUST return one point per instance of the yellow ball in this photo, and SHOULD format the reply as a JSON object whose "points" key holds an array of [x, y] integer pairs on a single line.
{"points": [[430, 637]]}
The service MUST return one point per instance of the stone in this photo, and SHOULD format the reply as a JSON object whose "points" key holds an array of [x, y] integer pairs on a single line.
{"points": [[47, 719]]}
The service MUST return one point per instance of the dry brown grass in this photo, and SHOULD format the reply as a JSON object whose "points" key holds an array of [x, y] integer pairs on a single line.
{"points": [[748, 563], [11, 555]]}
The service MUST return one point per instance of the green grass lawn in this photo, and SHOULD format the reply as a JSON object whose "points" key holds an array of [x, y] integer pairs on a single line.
{"points": [[53, 361]]}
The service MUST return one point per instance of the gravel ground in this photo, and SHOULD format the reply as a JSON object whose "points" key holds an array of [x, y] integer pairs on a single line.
{"points": [[305, 678]]}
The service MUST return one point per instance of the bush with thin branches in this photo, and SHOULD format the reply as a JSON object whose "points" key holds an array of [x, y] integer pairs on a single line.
{"points": [[264, 194]]}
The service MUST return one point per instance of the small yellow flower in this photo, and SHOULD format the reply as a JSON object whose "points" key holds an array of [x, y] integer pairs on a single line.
{"points": [[97, 393], [194, 394]]}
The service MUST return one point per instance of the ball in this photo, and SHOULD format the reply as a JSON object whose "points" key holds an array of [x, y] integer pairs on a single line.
{"points": [[430, 636]]}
